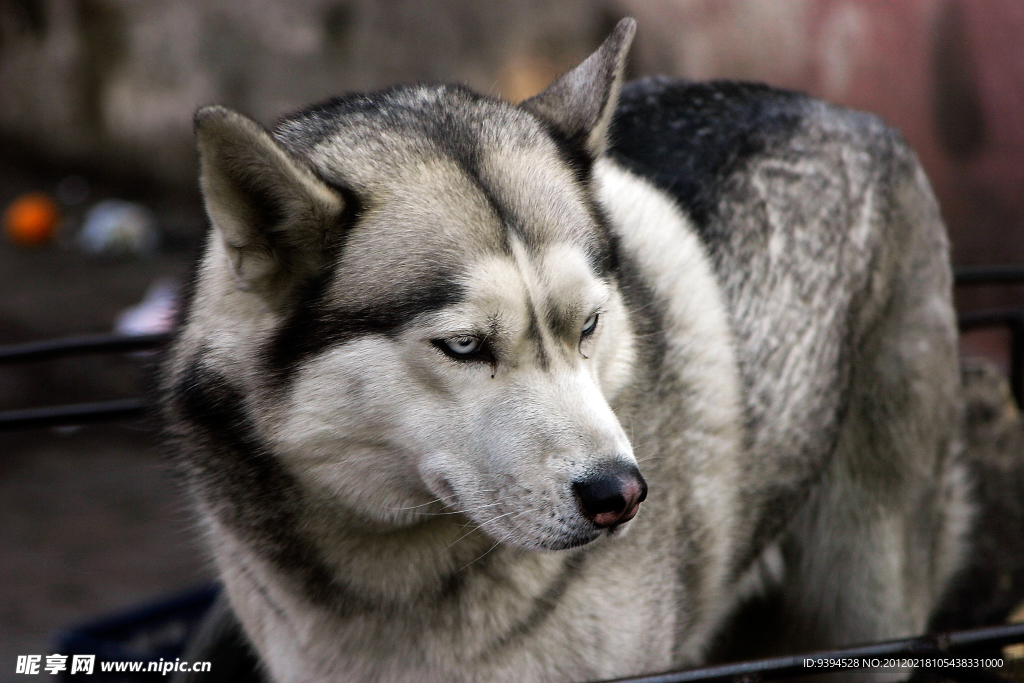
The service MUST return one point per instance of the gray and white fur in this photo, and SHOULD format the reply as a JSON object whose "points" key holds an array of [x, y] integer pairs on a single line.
{"points": [[429, 325]]}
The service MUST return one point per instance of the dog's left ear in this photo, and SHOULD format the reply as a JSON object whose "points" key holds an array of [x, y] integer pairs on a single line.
{"points": [[580, 104]]}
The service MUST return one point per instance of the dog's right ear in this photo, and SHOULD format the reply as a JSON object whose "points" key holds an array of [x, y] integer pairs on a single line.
{"points": [[272, 214]]}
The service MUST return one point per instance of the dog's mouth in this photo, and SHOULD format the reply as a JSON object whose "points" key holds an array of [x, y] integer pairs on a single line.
{"points": [[571, 531], [587, 508], [577, 538]]}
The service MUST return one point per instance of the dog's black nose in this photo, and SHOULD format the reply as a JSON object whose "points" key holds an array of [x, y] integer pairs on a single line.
{"points": [[612, 495]]}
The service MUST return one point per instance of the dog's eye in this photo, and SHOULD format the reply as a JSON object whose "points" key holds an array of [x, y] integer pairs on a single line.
{"points": [[463, 348], [589, 325]]}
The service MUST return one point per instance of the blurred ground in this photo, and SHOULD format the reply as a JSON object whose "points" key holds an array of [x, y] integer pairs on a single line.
{"points": [[90, 521]]}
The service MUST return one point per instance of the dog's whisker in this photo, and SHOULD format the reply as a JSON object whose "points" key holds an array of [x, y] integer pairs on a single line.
{"points": [[444, 500], [465, 535], [414, 507], [474, 561], [497, 542], [457, 512]]}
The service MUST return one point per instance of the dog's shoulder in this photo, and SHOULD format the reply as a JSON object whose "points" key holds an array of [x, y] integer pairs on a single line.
{"points": [[797, 201], [691, 139], [688, 137], [801, 205]]}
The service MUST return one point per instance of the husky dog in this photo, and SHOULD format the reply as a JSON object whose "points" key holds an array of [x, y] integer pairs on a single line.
{"points": [[470, 391]]}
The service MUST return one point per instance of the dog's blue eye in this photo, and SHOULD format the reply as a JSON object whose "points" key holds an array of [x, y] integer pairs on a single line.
{"points": [[589, 325], [462, 346], [465, 348]]}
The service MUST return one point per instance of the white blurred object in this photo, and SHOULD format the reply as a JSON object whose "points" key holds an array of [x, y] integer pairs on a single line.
{"points": [[118, 228], [154, 314]]}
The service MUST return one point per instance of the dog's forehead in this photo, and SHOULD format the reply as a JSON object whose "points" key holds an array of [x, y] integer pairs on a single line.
{"points": [[446, 178], [555, 279], [537, 193], [424, 227]]}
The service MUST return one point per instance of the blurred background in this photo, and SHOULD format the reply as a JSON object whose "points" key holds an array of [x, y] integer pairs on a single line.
{"points": [[102, 213]]}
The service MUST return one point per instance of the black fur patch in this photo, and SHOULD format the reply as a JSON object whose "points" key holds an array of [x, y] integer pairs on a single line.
{"points": [[687, 138]]}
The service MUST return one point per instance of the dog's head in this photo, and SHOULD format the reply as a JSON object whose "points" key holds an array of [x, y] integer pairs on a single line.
{"points": [[418, 292]]}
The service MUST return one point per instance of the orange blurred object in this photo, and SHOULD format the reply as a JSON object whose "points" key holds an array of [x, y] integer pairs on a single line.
{"points": [[31, 219]]}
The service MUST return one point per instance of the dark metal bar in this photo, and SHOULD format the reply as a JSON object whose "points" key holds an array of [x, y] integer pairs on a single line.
{"points": [[81, 413], [117, 636], [70, 346], [990, 636], [943, 645], [988, 275]]}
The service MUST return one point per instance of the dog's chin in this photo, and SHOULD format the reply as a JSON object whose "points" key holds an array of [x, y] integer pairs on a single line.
{"points": [[565, 540], [570, 542], [589, 536]]}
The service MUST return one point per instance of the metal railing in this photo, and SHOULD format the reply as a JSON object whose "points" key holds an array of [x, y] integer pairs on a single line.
{"points": [[80, 413]]}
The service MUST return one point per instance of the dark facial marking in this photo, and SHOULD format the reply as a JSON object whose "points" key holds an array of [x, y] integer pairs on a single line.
{"points": [[533, 335], [504, 215], [316, 324]]}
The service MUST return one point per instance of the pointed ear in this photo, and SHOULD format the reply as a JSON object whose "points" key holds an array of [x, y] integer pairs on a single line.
{"points": [[580, 103], [272, 214]]}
